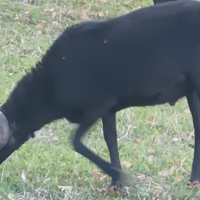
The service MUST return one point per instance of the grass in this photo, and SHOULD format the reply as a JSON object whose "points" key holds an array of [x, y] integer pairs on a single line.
{"points": [[156, 142]]}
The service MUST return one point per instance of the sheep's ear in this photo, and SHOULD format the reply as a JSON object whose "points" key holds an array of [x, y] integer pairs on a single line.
{"points": [[4, 130]]}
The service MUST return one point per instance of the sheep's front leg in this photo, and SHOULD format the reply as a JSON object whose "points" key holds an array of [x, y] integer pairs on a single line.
{"points": [[110, 135], [90, 118], [194, 104], [107, 167]]}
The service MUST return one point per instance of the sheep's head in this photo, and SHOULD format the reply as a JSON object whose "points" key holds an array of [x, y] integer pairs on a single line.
{"points": [[4, 130]]}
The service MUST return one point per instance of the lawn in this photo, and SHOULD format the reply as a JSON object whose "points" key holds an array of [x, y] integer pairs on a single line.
{"points": [[155, 143]]}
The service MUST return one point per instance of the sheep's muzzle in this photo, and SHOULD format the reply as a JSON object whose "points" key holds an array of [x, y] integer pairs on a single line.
{"points": [[4, 130]]}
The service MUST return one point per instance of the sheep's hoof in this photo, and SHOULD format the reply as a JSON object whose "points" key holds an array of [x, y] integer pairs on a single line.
{"points": [[115, 186], [123, 179]]}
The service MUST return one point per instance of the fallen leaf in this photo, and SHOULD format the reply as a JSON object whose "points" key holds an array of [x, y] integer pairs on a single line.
{"points": [[136, 141], [182, 135], [176, 161], [23, 176], [175, 139], [60, 28], [42, 21], [150, 159], [187, 111], [55, 23], [54, 14], [127, 6], [137, 112], [48, 10], [82, 3], [65, 188], [142, 176], [126, 164], [97, 175], [30, 179], [135, 156], [151, 118], [27, 12], [112, 191], [69, 171], [39, 26], [124, 144], [11, 67], [96, 4], [178, 179], [84, 15], [101, 14], [159, 138]]}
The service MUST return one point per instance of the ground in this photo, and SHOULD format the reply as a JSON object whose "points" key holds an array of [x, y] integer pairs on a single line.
{"points": [[155, 143]]}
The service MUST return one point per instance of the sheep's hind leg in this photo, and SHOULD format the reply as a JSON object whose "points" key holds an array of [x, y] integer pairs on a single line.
{"points": [[89, 120], [107, 167], [194, 104]]}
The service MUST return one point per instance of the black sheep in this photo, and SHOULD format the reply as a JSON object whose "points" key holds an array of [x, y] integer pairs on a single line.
{"points": [[94, 69]]}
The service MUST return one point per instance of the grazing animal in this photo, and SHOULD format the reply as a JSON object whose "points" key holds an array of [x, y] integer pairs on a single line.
{"points": [[94, 69]]}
